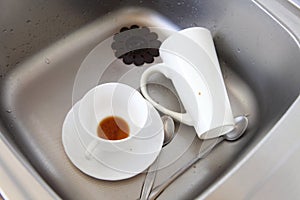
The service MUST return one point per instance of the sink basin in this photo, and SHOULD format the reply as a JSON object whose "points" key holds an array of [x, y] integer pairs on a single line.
{"points": [[43, 45]]}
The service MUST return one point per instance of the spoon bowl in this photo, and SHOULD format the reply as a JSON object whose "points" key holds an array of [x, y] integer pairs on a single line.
{"points": [[169, 129], [241, 124]]}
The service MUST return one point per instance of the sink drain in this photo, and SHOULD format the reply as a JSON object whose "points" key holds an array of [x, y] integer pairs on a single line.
{"points": [[136, 45]]}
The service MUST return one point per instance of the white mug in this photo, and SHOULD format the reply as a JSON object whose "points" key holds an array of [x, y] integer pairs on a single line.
{"points": [[190, 61]]}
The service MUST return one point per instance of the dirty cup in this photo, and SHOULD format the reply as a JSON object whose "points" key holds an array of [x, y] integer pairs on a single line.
{"points": [[112, 158], [118, 107]]}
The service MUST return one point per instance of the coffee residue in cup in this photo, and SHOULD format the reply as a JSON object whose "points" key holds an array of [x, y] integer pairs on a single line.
{"points": [[113, 128]]}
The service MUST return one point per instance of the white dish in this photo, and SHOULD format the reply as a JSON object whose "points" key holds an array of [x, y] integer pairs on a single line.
{"points": [[124, 164]]}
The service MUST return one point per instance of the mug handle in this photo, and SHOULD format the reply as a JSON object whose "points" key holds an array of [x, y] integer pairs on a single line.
{"points": [[166, 71], [89, 149]]}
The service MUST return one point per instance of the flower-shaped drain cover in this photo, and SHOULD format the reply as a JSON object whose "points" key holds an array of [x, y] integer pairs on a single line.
{"points": [[137, 45]]}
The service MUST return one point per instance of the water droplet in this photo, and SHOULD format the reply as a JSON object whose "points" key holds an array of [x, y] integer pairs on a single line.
{"points": [[8, 111], [239, 50], [4, 30], [28, 21], [47, 61], [180, 18], [179, 3], [11, 30]]}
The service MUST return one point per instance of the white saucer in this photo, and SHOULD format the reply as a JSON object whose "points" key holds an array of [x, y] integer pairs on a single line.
{"points": [[127, 164]]}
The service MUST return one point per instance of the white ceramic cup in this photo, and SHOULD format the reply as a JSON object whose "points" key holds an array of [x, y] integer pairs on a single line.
{"points": [[190, 61], [111, 99]]}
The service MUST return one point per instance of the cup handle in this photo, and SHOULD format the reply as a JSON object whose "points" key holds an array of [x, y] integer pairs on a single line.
{"points": [[89, 149], [163, 69]]}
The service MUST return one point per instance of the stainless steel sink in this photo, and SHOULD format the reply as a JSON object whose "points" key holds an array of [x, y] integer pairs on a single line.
{"points": [[43, 44]]}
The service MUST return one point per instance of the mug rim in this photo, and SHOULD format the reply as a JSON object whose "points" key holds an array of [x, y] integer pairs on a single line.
{"points": [[182, 33]]}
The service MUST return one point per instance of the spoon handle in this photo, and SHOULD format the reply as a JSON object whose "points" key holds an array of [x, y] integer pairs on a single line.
{"points": [[159, 189], [149, 180]]}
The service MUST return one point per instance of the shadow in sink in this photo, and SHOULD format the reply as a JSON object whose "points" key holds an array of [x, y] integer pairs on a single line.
{"points": [[258, 58]]}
